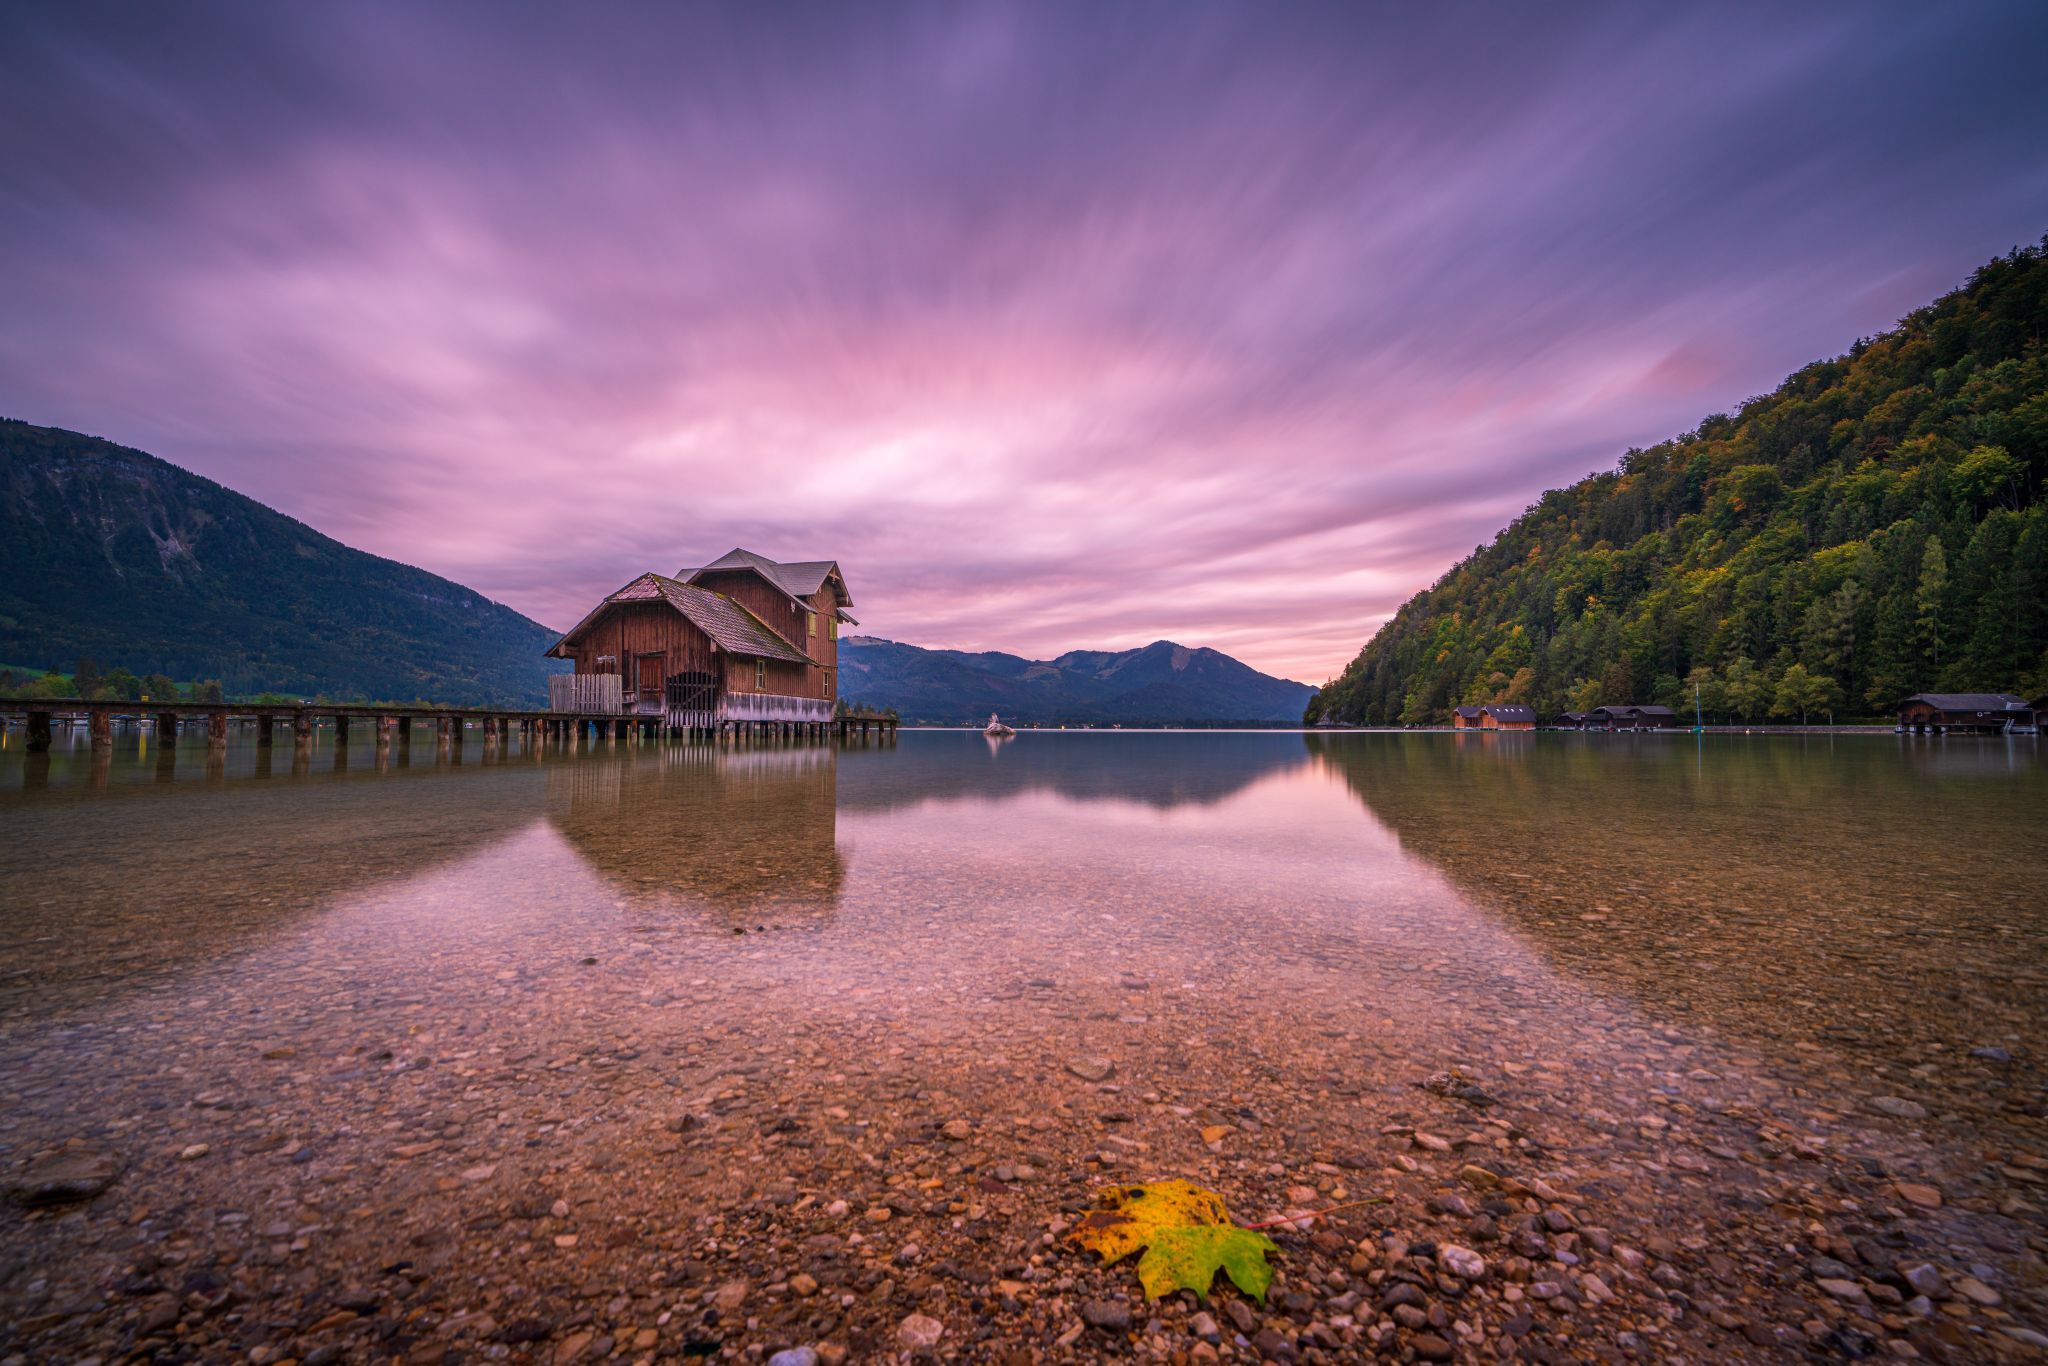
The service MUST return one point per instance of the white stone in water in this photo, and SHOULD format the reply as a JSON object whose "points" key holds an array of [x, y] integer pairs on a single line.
{"points": [[1461, 1262], [920, 1331]]}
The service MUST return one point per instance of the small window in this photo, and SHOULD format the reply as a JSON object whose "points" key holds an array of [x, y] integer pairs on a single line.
{"points": [[832, 628], [828, 682], [811, 623], [760, 675]]}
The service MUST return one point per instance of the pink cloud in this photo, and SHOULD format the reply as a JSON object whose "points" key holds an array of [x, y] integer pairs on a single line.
{"points": [[1057, 328]]}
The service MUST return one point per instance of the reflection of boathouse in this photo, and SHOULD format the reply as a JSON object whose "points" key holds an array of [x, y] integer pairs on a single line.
{"points": [[745, 830]]}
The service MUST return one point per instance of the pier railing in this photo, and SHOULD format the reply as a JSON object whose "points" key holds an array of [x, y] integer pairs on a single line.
{"points": [[585, 694], [768, 706]]}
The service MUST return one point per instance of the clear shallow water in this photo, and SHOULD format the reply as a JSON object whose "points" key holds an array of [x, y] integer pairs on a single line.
{"points": [[1687, 967]]}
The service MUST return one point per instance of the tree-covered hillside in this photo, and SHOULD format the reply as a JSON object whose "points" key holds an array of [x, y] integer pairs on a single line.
{"points": [[1872, 529], [111, 554]]}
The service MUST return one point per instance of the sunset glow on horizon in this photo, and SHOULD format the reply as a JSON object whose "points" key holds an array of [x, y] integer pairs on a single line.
{"points": [[1058, 327]]}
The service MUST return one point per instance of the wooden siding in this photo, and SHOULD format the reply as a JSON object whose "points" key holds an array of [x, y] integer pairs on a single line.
{"points": [[787, 620], [762, 598], [634, 629]]}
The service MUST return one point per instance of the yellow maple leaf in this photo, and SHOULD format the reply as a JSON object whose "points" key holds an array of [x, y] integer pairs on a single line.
{"points": [[1186, 1235]]}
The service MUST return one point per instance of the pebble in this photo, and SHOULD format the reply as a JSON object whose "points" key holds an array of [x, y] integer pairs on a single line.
{"points": [[1110, 1315], [1918, 1193], [1975, 1291], [1897, 1107], [1461, 1262], [1925, 1280], [67, 1176], [1092, 1069], [920, 1332], [795, 1356]]}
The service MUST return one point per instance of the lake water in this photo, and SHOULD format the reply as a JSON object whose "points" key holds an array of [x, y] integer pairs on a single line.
{"points": [[1712, 1049]]}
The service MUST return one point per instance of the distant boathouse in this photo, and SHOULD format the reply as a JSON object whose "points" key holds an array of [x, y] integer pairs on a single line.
{"points": [[1968, 713]]}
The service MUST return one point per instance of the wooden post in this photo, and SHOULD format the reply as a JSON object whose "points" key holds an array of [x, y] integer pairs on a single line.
{"points": [[102, 723], [341, 729], [216, 730], [385, 725], [39, 732], [265, 726], [405, 730], [302, 730], [166, 728]]}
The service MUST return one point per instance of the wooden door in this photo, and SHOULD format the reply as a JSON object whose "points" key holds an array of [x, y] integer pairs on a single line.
{"points": [[650, 676]]}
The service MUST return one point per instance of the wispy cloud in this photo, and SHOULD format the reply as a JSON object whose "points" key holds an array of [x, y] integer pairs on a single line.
{"points": [[1058, 326]]}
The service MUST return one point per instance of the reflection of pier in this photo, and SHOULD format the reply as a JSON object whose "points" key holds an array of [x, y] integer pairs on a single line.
{"points": [[746, 829]]}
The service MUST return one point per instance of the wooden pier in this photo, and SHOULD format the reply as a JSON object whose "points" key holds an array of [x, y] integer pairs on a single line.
{"points": [[448, 724]]}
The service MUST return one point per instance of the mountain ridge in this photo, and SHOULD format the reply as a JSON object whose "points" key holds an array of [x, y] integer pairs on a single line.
{"points": [[1160, 683], [110, 552]]}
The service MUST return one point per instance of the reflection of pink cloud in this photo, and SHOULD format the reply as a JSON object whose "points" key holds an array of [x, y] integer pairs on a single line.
{"points": [[1057, 331]]}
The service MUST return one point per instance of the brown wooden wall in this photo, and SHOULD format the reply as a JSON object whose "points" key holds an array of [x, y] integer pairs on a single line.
{"points": [[633, 629], [789, 680], [789, 621], [763, 599]]}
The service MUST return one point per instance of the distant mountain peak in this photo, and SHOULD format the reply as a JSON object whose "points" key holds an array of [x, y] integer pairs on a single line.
{"points": [[1160, 683]]}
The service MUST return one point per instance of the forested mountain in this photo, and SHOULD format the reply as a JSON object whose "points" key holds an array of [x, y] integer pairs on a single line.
{"points": [[1161, 683], [108, 553], [1872, 529]]}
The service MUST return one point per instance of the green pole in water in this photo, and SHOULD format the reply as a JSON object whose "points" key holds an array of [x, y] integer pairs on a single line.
{"points": [[1698, 726]]}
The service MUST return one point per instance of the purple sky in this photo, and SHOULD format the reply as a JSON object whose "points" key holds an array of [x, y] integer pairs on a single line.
{"points": [[1057, 327]]}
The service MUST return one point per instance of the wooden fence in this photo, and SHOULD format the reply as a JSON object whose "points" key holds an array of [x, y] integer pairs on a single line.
{"points": [[585, 694]]}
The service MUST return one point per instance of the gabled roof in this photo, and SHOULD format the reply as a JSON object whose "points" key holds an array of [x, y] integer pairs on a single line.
{"points": [[732, 628], [1969, 701], [799, 578], [1469, 713], [1509, 711]]}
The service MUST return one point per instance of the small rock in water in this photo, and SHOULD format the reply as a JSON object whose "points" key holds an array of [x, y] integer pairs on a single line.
{"points": [[919, 1332], [957, 1129], [1110, 1315], [1915, 1193], [1092, 1069], [794, 1356], [1991, 1054], [1897, 1107], [66, 1176], [1979, 1293], [1925, 1280], [1461, 1262]]}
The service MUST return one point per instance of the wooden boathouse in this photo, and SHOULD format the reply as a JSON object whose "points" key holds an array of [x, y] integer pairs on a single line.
{"points": [[1965, 713], [744, 643]]}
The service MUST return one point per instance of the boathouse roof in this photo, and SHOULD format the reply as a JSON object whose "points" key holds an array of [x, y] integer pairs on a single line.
{"points": [[798, 578], [1509, 711], [730, 625], [1469, 713]]}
